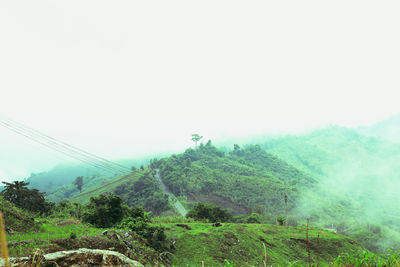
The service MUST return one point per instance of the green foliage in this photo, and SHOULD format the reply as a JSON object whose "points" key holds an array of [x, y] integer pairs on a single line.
{"points": [[171, 219], [254, 245], [367, 258], [16, 220], [238, 180], [196, 138], [281, 220], [202, 211], [27, 199], [254, 218], [67, 209], [138, 221], [144, 191], [104, 211]]}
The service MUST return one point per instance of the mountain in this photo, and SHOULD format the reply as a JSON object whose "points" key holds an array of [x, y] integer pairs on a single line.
{"points": [[357, 179], [243, 180], [388, 129], [335, 177], [58, 182]]}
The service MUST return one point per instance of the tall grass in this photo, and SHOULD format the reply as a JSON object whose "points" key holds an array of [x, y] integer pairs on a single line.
{"points": [[172, 219], [367, 258]]}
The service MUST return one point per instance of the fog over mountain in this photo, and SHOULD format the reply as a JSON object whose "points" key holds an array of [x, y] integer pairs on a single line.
{"points": [[388, 129], [128, 79]]}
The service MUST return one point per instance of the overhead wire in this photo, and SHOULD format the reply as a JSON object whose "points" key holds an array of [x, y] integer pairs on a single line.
{"points": [[104, 162], [68, 145], [63, 147], [58, 150]]}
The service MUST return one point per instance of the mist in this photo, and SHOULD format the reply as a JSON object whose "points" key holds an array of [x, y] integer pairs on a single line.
{"points": [[128, 79], [357, 188]]}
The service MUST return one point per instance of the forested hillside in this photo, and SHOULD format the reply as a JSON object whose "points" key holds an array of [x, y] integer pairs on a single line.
{"points": [[358, 177], [336, 177], [242, 180]]}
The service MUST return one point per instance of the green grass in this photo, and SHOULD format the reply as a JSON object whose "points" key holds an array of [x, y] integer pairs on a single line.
{"points": [[22, 244], [228, 245], [254, 244], [367, 258], [171, 219]]}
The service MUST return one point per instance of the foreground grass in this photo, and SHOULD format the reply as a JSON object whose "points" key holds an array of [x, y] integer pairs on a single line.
{"points": [[23, 244], [254, 245], [197, 244], [367, 258]]}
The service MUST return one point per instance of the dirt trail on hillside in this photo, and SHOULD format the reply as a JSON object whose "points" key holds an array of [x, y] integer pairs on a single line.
{"points": [[171, 196]]}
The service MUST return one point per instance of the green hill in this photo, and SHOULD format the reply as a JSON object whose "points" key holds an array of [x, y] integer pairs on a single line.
{"points": [[242, 180], [357, 176], [138, 188], [336, 177], [57, 182], [255, 245]]}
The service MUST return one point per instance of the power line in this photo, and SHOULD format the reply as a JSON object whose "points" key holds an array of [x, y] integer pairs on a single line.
{"points": [[63, 147], [68, 145], [52, 141], [77, 157], [58, 150]]}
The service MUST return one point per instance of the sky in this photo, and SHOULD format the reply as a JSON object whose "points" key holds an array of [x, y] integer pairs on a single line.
{"points": [[131, 78]]}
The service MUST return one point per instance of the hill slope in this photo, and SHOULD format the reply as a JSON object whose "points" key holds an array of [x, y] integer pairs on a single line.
{"points": [[242, 180], [243, 245], [357, 179], [16, 220]]}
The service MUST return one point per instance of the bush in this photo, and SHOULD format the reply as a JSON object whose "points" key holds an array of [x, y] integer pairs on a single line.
{"points": [[209, 212], [67, 209], [253, 218], [104, 211], [281, 220], [155, 235]]}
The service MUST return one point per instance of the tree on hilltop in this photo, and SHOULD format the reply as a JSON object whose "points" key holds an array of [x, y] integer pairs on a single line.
{"points": [[196, 138]]}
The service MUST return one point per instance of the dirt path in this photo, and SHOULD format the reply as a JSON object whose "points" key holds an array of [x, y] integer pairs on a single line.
{"points": [[171, 196]]}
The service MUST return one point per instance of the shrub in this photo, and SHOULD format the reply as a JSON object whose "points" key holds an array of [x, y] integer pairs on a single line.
{"points": [[210, 212], [281, 220], [104, 211], [66, 209], [153, 234], [253, 218]]}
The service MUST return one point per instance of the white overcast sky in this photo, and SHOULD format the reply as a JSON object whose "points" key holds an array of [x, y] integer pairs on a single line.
{"points": [[128, 78]]}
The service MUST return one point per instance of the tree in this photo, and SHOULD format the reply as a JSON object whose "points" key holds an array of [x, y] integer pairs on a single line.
{"points": [[208, 211], [196, 138], [104, 211], [79, 183], [27, 199]]}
